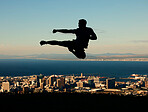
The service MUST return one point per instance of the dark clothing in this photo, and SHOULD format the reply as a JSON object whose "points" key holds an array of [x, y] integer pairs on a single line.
{"points": [[76, 46], [82, 36], [70, 44]]}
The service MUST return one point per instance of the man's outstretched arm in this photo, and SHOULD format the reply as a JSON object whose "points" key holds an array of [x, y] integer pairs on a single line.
{"points": [[63, 31], [93, 36]]}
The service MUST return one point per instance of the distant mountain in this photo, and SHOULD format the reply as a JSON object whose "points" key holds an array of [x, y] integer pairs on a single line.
{"points": [[9, 56], [93, 57], [54, 56], [111, 54], [39, 56]]}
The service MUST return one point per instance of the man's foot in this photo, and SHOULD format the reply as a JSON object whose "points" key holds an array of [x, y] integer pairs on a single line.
{"points": [[70, 49], [43, 42]]}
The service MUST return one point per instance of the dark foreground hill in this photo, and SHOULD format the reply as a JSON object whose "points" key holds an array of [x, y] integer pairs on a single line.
{"points": [[70, 102]]}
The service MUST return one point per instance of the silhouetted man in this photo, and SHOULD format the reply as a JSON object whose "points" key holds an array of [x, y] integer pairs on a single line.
{"points": [[83, 34]]}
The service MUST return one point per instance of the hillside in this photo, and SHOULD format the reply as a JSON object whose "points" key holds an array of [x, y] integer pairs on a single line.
{"points": [[75, 102]]}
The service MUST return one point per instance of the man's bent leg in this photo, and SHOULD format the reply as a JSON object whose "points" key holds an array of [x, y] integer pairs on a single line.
{"points": [[79, 54]]}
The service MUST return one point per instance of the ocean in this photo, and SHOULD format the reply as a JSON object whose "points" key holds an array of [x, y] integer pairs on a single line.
{"points": [[25, 67]]}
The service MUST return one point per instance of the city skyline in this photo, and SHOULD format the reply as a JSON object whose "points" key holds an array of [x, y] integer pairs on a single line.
{"points": [[136, 84], [121, 26]]}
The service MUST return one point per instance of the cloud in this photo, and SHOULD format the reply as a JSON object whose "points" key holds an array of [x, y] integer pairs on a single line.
{"points": [[139, 41], [2, 45], [99, 30]]}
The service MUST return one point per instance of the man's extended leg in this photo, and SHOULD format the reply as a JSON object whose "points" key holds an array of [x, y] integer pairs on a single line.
{"points": [[79, 53], [60, 43]]}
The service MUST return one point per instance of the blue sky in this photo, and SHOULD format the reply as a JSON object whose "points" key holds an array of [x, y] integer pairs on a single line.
{"points": [[121, 25]]}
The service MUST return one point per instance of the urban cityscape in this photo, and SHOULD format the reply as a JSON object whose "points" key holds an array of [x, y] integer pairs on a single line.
{"points": [[135, 84]]}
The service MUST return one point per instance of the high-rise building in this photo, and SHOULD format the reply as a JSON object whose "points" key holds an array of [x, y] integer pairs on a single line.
{"points": [[35, 78], [25, 89], [42, 85], [61, 82], [91, 83], [40, 81], [81, 75], [110, 83], [6, 86], [80, 84], [52, 79], [47, 81], [146, 82]]}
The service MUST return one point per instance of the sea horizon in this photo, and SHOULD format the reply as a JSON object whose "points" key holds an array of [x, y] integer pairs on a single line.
{"points": [[20, 67]]}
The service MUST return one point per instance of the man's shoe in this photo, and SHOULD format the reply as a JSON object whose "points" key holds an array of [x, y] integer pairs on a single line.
{"points": [[42, 42]]}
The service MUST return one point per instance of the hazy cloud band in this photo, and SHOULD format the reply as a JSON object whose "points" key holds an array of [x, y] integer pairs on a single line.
{"points": [[139, 41]]}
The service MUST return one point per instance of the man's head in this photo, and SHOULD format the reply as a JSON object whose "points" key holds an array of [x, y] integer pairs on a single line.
{"points": [[82, 23]]}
